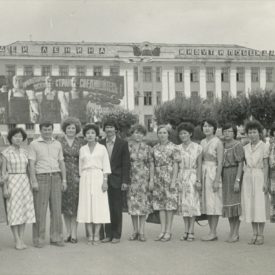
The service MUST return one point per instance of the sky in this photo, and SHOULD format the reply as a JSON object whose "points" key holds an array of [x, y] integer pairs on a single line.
{"points": [[249, 23]]}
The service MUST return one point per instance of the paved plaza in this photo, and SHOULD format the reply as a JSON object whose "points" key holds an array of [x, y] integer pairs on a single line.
{"points": [[174, 257]]}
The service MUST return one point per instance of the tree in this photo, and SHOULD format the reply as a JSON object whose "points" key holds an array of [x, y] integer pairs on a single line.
{"points": [[125, 119]]}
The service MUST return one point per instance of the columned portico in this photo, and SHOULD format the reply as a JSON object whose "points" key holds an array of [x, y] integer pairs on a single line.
{"points": [[187, 84], [168, 83], [233, 82], [262, 78], [247, 80], [218, 84], [203, 82]]}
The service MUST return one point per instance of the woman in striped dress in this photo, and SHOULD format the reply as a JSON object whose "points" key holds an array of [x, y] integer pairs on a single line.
{"points": [[17, 188]]}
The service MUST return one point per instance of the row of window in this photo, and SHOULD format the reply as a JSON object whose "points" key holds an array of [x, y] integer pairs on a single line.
{"points": [[63, 70], [147, 98], [210, 74]]}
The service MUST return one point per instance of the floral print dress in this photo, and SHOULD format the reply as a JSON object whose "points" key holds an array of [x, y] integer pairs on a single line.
{"points": [[164, 198], [138, 196], [71, 159]]}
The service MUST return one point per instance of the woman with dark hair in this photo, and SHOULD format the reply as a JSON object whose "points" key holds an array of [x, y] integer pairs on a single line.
{"points": [[94, 167], [165, 191], [254, 194], [212, 159], [71, 145], [189, 179], [231, 179], [141, 175], [17, 187]]}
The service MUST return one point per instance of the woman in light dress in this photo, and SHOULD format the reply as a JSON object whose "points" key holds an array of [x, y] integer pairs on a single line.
{"points": [[94, 167], [212, 160], [17, 187], [189, 179], [254, 194]]}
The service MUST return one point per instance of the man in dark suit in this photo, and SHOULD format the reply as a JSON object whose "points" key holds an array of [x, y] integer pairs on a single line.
{"points": [[118, 180]]}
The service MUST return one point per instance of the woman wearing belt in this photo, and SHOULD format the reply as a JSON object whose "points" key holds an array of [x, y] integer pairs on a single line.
{"points": [[231, 180], [94, 167], [212, 158], [17, 187], [254, 195], [165, 190]]}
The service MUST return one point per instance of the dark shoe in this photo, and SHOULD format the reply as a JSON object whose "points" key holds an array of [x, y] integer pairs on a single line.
{"points": [[253, 239], [106, 240], [167, 237], [59, 244], [141, 238], [184, 236], [68, 240], [133, 237], [160, 236], [73, 240], [115, 241]]}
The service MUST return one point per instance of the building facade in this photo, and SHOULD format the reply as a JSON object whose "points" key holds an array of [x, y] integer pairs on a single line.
{"points": [[153, 73]]}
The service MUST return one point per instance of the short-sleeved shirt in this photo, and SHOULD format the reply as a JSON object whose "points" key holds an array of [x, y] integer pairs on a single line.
{"points": [[46, 155]]}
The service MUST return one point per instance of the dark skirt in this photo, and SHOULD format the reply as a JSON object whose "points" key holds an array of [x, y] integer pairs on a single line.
{"points": [[231, 199]]}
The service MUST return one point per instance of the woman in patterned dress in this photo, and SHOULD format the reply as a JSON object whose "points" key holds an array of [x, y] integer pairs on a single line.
{"points": [[254, 194], [165, 191], [71, 145], [142, 173], [189, 178], [212, 159], [17, 187], [3, 217], [231, 180]]}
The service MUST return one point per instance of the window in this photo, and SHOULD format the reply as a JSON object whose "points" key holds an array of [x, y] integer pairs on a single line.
{"points": [[240, 93], [194, 75], [269, 74], [158, 74], [97, 71], [194, 95], [46, 70], [225, 94], [225, 75], [240, 75], [158, 98], [179, 94], [29, 126], [114, 70], [210, 96], [28, 70], [210, 75], [136, 74], [147, 74], [137, 98], [179, 74], [80, 70], [64, 70], [11, 126], [147, 98], [254, 74], [10, 70]]}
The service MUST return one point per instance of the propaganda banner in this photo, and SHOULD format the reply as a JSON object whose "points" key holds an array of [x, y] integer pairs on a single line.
{"points": [[53, 98]]}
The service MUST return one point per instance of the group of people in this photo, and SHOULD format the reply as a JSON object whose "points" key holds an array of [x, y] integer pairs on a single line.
{"points": [[85, 179]]}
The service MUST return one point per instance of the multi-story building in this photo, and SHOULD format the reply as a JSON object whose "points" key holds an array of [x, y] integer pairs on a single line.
{"points": [[153, 73]]}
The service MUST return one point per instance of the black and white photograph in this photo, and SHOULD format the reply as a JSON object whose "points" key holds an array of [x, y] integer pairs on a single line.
{"points": [[137, 137]]}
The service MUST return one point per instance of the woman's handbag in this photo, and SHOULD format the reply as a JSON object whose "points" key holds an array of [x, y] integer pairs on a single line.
{"points": [[153, 217]]}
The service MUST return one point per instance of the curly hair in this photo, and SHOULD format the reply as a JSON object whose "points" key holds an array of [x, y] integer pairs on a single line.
{"points": [[254, 125], [139, 128], [71, 121], [211, 122], [15, 131], [90, 126], [186, 126]]}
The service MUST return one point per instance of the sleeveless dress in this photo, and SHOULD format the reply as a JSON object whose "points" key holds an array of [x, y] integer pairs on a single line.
{"points": [[138, 195], [255, 203], [211, 201], [233, 155], [189, 197], [20, 207], [164, 157]]}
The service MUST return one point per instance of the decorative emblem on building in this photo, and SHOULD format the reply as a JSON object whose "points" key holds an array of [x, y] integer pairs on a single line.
{"points": [[146, 49]]}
